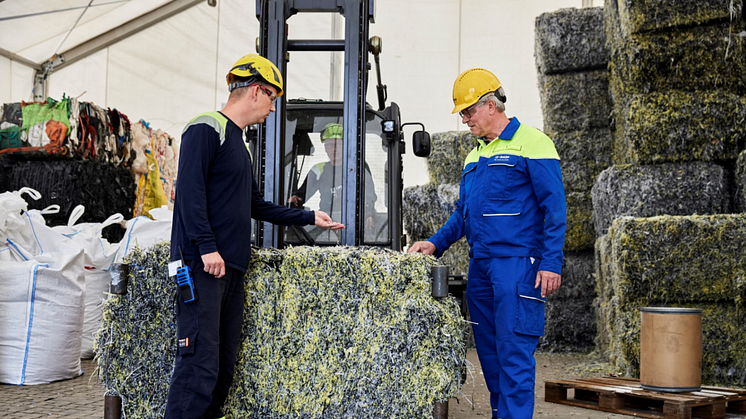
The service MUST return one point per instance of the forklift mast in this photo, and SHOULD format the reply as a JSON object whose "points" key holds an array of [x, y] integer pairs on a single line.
{"points": [[271, 154]]}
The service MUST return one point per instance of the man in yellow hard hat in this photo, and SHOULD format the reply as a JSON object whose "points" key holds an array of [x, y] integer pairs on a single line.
{"points": [[216, 198], [512, 211]]}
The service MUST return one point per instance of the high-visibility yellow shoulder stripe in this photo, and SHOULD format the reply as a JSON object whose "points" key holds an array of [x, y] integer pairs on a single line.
{"points": [[527, 142], [214, 119]]}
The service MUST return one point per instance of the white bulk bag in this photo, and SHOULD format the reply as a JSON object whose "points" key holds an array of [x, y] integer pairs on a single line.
{"points": [[143, 232], [99, 254], [41, 303]]}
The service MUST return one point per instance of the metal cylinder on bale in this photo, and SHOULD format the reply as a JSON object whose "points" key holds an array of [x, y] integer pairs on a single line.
{"points": [[119, 273], [671, 349], [440, 281]]}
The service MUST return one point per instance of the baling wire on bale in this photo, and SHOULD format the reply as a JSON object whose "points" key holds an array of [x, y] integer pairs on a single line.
{"points": [[675, 261], [328, 333]]}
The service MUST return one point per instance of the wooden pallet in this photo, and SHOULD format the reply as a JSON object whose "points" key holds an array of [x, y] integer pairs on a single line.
{"points": [[626, 397]]}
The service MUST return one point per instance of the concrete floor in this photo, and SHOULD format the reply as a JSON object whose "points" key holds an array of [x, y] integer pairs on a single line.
{"points": [[83, 397]]}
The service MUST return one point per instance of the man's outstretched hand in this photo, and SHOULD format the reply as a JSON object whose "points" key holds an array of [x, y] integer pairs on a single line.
{"points": [[323, 220], [424, 247]]}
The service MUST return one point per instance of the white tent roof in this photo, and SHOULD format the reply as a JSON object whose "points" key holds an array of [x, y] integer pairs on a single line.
{"points": [[59, 25], [173, 67]]}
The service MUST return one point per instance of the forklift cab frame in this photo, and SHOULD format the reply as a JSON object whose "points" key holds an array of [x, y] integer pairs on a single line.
{"points": [[278, 144]]}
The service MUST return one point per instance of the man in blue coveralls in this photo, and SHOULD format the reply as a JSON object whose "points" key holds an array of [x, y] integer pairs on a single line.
{"points": [[512, 210], [216, 198]]}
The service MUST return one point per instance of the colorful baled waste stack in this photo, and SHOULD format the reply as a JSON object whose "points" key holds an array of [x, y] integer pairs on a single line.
{"points": [[155, 167], [678, 83], [42, 144], [676, 261], [328, 333], [571, 60]]}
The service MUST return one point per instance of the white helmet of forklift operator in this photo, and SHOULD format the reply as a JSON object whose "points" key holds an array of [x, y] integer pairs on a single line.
{"points": [[253, 68]]}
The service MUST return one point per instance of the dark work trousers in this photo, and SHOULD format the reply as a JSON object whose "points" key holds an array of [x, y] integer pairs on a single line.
{"points": [[509, 319], [208, 335]]}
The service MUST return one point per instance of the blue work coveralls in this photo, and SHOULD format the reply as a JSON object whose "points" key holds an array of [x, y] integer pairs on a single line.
{"points": [[512, 210]]}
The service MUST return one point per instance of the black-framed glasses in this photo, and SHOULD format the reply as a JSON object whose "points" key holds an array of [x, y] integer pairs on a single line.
{"points": [[470, 111], [271, 94]]}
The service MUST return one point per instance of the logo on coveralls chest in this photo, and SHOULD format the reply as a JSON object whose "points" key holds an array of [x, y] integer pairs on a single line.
{"points": [[502, 160]]}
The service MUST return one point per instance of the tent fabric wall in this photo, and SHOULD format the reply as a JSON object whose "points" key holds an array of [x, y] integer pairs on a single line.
{"points": [[176, 69]]}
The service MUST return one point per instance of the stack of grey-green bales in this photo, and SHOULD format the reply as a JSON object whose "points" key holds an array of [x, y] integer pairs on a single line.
{"points": [[571, 61], [663, 212], [327, 333], [426, 208]]}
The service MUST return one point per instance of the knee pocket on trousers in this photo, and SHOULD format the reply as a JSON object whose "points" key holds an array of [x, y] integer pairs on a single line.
{"points": [[530, 311], [187, 337]]}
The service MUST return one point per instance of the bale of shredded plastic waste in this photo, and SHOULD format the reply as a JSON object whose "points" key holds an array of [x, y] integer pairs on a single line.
{"points": [[570, 322], [740, 196], [579, 234], [571, 102], [675, 261], [664, 189], [584, 154], [695, 58], [103, 190], [578, 277], [449, 150], [679, 126], [425, 209], [570, 40], [327, 333], [570, 325], [678, 259], [638, 16]]}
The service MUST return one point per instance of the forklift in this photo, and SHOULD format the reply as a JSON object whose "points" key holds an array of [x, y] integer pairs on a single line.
{"points": [[368, 172]]}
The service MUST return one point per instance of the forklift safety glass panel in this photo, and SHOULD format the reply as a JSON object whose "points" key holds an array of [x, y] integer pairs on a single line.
{"points": [[313, 161]]}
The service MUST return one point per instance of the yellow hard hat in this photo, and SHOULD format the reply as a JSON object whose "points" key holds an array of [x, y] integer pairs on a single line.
{"points": [[253, 65], [471, 85], [332, 130]]}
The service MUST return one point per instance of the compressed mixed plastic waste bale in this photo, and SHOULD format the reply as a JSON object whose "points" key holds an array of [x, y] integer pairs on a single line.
{"points": [[425, 209], [675, 261], [570, 40], [680, 126], [449, 150], [328, 333], [664, 189], [697, 58], [638, 16], [101, 188], [740, 198], [575, 101], [584, 154], [579, 234], [678, 259], [570, 322]]}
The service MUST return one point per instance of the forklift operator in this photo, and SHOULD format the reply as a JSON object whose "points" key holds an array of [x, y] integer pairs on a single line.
{"points": [[326, 179]]}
